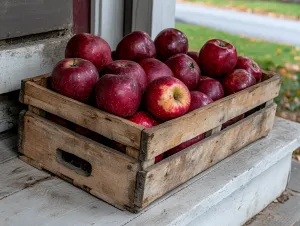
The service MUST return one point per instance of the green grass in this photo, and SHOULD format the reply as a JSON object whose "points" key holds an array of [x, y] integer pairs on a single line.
{"points": [[289, 9], [261, 51], [270, 56]]}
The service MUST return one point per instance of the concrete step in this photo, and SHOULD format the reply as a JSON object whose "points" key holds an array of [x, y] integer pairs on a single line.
{"points": [[284, 211], [230, 193], [236, 189]]}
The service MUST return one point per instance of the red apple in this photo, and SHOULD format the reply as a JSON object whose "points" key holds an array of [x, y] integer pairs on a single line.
{"points": [[159, 158], [118, 146], [194, 55], [74, 78], [136, 46], [240, 79], [217, 58], [249, 65], [58, 120], [155, 69], [83, 131], [118, 94], [185, 69], [126, 67], [99, 138], [113, 55], [167, 98], [232, 121], [169, 42], [198, 100], [89, 47], [144, 119], [211, 87], [185, 145]]}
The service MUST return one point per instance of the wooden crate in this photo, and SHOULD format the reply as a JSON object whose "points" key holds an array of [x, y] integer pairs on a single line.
{"points": [[131, 180]]}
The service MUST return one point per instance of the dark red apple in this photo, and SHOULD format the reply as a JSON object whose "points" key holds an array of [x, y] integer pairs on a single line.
{"points": [[194, 55], [58, 120], [89, 47], [159, 158], [198, 100], [249, 65], [144, 119], [113, 55], [167, 98], [232, 121], [155, 69], [99, 138], [74, 78], [185, 69], [211, 87], [126, 67], [184, 145], [240, 79], [83, 131], [136, 46], [118, 146], [169, 42], [217, 58], [118, 94]]}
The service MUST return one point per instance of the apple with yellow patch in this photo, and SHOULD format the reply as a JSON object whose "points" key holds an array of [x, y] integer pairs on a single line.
{"points": [[167, 98]]}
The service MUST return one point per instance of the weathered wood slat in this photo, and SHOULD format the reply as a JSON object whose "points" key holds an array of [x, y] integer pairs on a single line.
{"points": [[41, 80], [16, 175], [53, 202], [206, 118], [8, 147], [9, 111], [110, 126], [112, 177], [157, 180]]}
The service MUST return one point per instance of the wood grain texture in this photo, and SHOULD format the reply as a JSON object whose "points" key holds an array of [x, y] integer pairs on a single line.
{"points": [[108, 125], [206, 118], [132, 152], [16, 175], [113, 174], [54, 202], [9, 110], [157, 180], [41, 80], [8, 148]]}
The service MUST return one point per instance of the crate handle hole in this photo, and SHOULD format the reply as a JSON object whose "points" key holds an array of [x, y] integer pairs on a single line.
{"points": [[73, 162]]}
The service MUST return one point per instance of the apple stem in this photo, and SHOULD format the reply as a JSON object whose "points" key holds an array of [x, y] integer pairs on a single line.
{"points": [[73, 65]]}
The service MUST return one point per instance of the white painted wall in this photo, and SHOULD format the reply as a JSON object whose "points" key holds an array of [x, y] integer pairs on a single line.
{"points": [[107, 17], [28, 60], [153, 16]]}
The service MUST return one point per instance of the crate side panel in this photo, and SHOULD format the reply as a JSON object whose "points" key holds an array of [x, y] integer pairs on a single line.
{"points": [[179, 168], [163, 137], [108, 125], [113, 175]]}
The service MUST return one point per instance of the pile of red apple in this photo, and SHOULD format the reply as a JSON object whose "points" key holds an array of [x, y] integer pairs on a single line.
{"points": [[149, 82]]}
